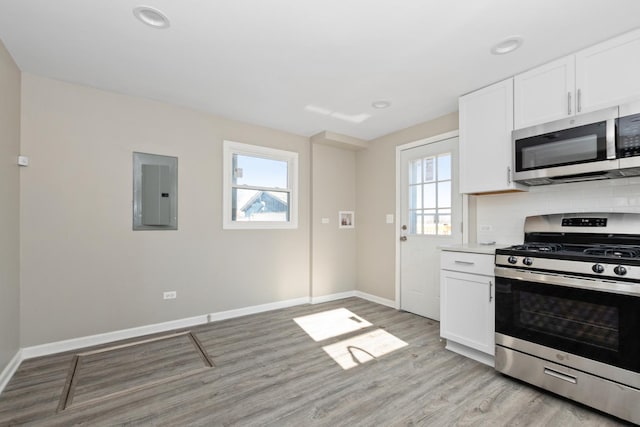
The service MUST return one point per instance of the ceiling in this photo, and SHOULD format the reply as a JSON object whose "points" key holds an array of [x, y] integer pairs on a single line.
{"points": [[303, 66]]}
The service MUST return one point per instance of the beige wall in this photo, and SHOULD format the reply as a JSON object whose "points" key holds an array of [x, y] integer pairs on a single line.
{"points": [[334, 260], [9, 208], [84, 271], [376, 197]]}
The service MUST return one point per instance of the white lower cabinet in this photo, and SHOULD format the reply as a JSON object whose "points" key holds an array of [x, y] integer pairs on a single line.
{"points": [[467, 304]]}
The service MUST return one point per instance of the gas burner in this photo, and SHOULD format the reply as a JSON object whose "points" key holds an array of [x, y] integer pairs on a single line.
{"points": [[614, 251], [539, 247]]}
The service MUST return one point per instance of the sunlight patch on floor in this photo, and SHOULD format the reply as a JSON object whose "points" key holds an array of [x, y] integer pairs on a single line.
{"points": [[363, 348], [332, 323]]}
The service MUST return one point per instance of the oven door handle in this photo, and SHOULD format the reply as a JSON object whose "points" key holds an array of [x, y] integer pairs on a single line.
{"points": [[624, 288]]}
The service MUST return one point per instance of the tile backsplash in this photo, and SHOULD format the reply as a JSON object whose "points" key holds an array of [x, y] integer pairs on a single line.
{"points": [[500, 217]]}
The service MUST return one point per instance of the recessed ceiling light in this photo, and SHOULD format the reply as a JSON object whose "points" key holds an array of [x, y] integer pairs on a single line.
{"points": [[151, 16], [380, 104], [507, 45]]}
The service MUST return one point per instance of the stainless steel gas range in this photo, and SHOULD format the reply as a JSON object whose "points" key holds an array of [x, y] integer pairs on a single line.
{"points": [[568, 309]]}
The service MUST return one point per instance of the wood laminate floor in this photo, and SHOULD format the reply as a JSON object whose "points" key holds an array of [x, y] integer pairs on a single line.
{"points": [[269, 371]]}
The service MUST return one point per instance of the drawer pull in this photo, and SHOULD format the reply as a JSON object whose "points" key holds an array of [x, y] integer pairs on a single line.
{"points": [[561, 376], [464, 262]]}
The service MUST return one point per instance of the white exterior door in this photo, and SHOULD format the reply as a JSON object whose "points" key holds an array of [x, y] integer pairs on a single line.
{"points": [[431, 216]]}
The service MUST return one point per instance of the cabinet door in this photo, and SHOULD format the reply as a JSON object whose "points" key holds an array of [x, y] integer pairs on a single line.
{"points": [[467, 313], [545, 93], [607, 73], [486, 122]]}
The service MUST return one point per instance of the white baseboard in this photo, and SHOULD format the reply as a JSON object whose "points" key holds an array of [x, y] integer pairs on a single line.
{"points": [[332, 297], [471, 353], [91, 340], [10, 369], [81, 342], [76, 343], [376, 299], [223, 315]]}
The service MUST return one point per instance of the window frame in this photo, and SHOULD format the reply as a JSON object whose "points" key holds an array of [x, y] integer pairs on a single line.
{"points": [[231, 148]]}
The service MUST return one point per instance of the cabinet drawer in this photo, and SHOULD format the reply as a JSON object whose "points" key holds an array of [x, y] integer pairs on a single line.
{"points": [[467, 262]]}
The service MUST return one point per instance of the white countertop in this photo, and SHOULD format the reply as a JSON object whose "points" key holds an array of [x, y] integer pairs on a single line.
{"points": [[475, 248]]}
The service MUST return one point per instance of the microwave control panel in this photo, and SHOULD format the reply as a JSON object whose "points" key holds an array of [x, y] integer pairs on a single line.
{"points": [[628, 144]]}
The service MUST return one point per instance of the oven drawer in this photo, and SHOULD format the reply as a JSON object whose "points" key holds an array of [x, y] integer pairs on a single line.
{"points": [[467, 262], [599, 393]]}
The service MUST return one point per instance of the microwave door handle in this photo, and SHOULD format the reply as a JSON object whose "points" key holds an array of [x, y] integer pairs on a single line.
{"points": [[611, 139]]}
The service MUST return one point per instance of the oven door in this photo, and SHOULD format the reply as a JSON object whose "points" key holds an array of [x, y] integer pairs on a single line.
{"points": [[589, 318]]}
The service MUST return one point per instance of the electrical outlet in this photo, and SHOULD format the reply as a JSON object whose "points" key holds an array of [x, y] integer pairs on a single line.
{"points": [[486, 228], [170, 295]]}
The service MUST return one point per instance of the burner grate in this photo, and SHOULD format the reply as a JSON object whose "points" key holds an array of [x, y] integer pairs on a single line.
{"points": [[539, 247], [614, 251]]}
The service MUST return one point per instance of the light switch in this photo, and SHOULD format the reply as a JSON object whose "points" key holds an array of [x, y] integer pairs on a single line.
{"points": [[389, 218], [325, 220], [23, 161]]}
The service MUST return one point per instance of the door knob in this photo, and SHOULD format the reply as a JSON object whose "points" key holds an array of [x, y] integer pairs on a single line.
{"points": [[403, 238], [404, 227]]}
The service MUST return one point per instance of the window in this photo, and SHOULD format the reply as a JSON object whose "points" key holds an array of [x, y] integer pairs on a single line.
{"points": [[260, 187], [430, 195]]}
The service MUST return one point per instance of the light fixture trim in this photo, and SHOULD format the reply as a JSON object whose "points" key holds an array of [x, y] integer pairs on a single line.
{"points": [[151, 16], [507, 45], [380, 105]]}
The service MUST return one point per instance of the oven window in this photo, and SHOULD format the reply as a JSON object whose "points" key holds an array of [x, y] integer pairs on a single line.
{"points": [[601, 326], [578, 321]]}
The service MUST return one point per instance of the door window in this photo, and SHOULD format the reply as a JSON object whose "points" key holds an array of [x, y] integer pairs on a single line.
{"points": [[430, 195]]}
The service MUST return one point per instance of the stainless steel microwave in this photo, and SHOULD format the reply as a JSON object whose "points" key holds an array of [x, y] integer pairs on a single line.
{"points": [[598, 145]]}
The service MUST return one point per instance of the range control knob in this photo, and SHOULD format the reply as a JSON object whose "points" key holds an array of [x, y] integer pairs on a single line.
{"points": [[620, 270], [512, 259], [527, 261], [598, 268]]}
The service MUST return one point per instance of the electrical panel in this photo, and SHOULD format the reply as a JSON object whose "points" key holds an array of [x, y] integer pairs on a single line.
{"points": [[155, 192]]}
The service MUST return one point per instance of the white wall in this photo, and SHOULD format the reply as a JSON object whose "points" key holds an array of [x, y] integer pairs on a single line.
{"points": [[84, 271], [9, 208], [505, 213], [334, 259]]}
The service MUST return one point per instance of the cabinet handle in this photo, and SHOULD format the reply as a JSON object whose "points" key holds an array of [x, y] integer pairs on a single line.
{"points": [[509, 175], [464, 262], [490, 286], [569, 103], [579, 100]]}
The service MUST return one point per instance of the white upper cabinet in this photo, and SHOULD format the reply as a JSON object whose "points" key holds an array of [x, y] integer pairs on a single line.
{"points": [[598, 77], [608, 73], [486, 122], [545, 93]]}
